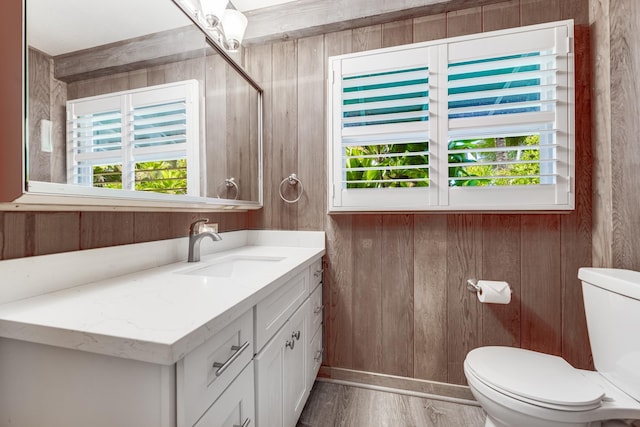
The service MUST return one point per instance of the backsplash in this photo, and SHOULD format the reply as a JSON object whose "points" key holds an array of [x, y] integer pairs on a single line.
{"points": [[24, 234]]}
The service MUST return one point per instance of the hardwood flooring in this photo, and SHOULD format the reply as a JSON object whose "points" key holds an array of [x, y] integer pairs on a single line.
{"points": [[332, 405]]}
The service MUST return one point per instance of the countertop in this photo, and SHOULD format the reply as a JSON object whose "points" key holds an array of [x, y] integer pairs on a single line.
{"points": [[156, 315]]}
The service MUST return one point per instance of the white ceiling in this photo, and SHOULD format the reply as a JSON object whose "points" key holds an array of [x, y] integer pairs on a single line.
{"points": [[61, 26]]}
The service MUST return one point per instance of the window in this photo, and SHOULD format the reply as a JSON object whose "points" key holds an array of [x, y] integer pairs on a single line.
{"points": [[482, 122], [141, 140]]}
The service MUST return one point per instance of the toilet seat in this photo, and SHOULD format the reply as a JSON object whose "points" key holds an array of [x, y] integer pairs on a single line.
{"points": [[536, 378]]}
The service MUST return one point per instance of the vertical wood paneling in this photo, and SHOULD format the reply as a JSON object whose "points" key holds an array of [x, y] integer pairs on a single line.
{"points": [[464, 249], [39, 109], [58, 114], [501, 15], [602, 255], [541, 284], [367, 292], [625, 128], [397, 296], [430, 297], [576, 227], [578, 10], [365, 38], [215, 116], [432, 27], [339, 285], [101, 229], [284, 147], [18, 235], [311, 133], [397, 33], [501, 261], [259, 66], [466, 21], [538, 11], [56, 232]]}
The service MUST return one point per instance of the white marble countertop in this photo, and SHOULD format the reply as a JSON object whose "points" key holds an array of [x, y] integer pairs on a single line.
{"points": [[159, 314]]}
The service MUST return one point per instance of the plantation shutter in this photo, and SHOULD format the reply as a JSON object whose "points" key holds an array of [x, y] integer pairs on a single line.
{"points": [[382, 127], [507, 99], [141, 133], [479, 122]]}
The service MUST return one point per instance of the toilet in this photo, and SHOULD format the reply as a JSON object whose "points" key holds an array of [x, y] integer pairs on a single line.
{"points": [[523, 388]]}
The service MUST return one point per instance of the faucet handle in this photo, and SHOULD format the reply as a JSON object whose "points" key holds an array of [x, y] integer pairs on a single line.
{"points": [[195, 226]]}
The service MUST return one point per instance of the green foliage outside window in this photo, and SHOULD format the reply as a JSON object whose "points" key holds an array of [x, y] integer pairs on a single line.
{"points": [[388, 161], [166, 176]]}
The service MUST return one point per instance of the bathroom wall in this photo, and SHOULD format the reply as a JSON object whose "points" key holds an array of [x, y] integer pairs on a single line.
{"points": [[616, 52], [395, 294], [24, 234]]}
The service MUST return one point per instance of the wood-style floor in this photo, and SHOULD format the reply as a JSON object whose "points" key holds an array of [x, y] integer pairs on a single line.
{"points": [[332, 405]]}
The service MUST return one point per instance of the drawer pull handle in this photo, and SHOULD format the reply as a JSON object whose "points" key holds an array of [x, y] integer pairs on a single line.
{"points": [[296, 335], [318, 309], [244, 424], [290, 344], [223, 366], [318, 356], [318, 273]]}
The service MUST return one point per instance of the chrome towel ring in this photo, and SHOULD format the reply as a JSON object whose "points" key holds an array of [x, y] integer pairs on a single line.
{"points": [[229, 183], [293, 180]]}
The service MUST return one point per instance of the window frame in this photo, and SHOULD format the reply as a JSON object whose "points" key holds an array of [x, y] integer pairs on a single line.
{"points": [[125, 103], [439, 195]]}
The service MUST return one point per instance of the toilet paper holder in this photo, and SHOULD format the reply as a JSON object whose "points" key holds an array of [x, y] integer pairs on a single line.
{"points": [[472, 285]]}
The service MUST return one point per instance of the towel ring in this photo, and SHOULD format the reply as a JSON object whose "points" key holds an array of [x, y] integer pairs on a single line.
{"points": [[229, 183], [292, 180]]}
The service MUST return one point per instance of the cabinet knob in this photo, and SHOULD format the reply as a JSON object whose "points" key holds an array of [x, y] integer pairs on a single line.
{"points": [[318, 356], [290, 343], [296, 335], [318, 309], [317, 273]]}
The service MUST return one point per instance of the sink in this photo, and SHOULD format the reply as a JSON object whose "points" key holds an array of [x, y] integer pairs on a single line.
{"points": [[234, 266]]}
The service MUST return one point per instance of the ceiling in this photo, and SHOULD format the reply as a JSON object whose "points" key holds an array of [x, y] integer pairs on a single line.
{"points": [[61, 26]]}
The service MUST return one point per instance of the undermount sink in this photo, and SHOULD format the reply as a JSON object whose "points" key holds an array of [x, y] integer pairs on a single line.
{"points": [[233, 266]]}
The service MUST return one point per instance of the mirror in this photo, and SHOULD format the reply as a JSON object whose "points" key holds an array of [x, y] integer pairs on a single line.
{"points": [[127, 99]]}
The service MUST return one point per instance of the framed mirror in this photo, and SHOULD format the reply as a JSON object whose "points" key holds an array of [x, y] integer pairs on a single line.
{"points": [[129, 103]]}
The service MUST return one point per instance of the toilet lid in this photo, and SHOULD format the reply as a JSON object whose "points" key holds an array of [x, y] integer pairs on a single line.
{"points": [[541, 379]]}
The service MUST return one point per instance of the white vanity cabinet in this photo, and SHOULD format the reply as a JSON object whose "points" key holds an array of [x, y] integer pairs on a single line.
{"points": [[285, 369], [161, 348]]}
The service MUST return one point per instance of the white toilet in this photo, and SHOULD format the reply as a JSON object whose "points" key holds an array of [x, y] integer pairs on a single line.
{"points": [[522, 388]]}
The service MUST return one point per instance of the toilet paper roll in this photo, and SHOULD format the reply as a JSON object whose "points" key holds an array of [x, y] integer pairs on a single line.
{"points": [[494, 292]]}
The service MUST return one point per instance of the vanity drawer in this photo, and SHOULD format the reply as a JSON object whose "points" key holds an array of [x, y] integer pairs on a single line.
{"points": [[315, 274], [316, 312], [273, 311], [204, 373], [236, 406]]}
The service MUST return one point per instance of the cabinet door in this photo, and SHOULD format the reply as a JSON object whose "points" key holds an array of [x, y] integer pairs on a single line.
{"points": [[295, 367], [281, 374], [269, 367], [235, 407]]}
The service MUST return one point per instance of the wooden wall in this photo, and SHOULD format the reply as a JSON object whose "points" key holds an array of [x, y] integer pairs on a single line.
{"points": [[616, 50], [24, 234], [395, 295]]}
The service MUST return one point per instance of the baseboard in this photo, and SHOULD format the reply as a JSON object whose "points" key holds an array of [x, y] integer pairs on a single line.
{"points": [[402, 385]]}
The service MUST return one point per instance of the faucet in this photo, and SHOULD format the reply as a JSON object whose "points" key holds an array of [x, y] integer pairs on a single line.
{"points": [[196, 236]]}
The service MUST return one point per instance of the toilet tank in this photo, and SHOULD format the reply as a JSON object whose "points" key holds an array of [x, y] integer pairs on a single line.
{"points": [[612, 307]]}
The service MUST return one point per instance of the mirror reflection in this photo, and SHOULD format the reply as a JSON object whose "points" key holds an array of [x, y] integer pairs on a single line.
{"points": [[118, 101]]}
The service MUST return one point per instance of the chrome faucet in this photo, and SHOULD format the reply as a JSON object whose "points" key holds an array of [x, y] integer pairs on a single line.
{"points": [[196, 236]]}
